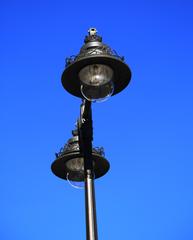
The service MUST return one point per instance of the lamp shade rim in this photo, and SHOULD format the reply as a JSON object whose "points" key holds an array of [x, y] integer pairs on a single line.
{"points": [[70, 77], [59, 168]]}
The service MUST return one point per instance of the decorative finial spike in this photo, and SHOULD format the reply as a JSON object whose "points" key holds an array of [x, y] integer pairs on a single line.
{"points": [[92, 31], [92, 36]]}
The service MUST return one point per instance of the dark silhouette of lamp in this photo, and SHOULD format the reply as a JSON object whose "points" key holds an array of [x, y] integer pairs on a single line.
{"points": [[97, 72], [69, 163]]}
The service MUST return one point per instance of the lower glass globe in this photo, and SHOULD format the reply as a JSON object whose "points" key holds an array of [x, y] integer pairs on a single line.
{"points": [[96, 82], [75, 167], [75, 164]]}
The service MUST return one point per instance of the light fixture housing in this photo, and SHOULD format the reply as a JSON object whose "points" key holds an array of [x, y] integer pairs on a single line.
{"points": [[69, 163], [94, 52]]}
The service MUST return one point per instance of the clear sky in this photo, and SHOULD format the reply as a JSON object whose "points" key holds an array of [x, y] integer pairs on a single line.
{"points": [[147, 130]]}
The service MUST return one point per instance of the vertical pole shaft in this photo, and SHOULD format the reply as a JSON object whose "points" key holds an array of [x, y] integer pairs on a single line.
{"points": [[91, 221], [85, 141]]}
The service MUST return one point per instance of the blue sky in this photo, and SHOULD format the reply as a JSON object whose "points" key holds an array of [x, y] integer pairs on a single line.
{"points": [[147, 130]]}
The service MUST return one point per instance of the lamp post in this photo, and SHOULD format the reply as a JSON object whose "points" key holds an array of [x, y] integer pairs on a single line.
{"points": [[93, 75]]}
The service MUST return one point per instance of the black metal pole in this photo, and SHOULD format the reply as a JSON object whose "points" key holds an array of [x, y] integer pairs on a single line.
{"points": [[85, 138], [91, 222]]}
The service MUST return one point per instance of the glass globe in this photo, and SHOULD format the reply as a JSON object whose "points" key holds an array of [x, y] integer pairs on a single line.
{"points": [[75, 167], [96, 82], [75, 164]]}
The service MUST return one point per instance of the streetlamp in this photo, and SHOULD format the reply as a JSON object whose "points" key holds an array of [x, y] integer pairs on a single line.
{"points": [[93, 75], [69, 163]]}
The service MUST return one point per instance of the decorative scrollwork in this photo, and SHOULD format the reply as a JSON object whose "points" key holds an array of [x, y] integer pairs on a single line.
{"points": [[70, 147], [99, 50], [100, 151]]}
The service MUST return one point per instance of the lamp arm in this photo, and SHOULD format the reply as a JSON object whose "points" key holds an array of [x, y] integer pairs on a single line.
{"points": [[85, 132]]}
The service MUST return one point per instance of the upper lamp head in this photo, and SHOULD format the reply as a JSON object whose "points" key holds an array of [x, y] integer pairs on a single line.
{"points": [[97, 72]]}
